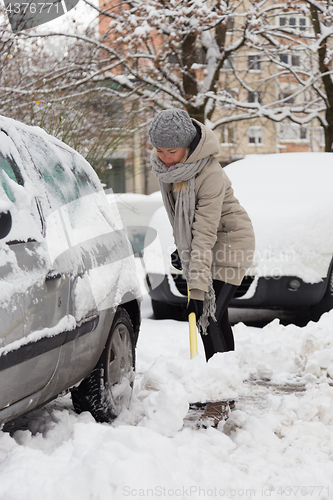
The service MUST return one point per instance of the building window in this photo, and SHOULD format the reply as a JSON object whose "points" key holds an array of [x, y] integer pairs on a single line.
{"points": [[291, 132], [230, 24], [228, 134], [293, 22], [284, 58], [255, 135], [302, 23], [287, 98], [303, 133], [172, 58], [254, 63], [295, 60], [290, 59], [200, 55], [255, 97]]}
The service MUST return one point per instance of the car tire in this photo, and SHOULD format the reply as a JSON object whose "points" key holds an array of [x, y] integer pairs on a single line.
{"points": [[108, 389], [163, 310], [326, 303]]}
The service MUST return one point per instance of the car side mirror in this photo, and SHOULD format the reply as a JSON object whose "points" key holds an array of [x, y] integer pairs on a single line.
{"points": [[5, 224]]}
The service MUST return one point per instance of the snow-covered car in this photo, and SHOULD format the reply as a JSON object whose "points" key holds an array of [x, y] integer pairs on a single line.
{"points": [[289, 199], [69, 300]]}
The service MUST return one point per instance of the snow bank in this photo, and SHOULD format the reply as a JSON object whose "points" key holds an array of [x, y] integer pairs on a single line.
{"points": [[287, 353], [276, 444], [179, 383]]}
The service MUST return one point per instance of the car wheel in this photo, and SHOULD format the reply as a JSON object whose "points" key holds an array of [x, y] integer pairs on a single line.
{"points": [[108, 389], [163, 310], [326, 303]]}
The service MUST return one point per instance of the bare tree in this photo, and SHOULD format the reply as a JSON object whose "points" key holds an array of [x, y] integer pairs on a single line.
{"points": [[55, 90], [200, 55], [321, 16], [179, 52]]}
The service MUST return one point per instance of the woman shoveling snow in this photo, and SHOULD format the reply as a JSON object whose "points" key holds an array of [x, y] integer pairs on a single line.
{"points": [[212, 231]]}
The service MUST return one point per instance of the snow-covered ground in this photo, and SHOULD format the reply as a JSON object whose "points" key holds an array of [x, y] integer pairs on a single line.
{"points": [[277, 443]]}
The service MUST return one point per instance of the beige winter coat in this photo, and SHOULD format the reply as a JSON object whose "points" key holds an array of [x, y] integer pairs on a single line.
{"points": [[223, 238]]}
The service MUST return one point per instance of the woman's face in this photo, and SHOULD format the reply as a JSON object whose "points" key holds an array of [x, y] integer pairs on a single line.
{"points": [[170, 156]]}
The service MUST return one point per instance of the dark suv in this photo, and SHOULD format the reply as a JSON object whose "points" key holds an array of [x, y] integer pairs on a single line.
{"points": [[289, 199]]}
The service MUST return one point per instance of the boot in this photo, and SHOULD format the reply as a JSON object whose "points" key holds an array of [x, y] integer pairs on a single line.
{"points": [[214, 414]]}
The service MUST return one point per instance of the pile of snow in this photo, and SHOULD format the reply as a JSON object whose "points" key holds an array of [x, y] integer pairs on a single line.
{"points": [[287, 353], [179, 384], [277, 443]]}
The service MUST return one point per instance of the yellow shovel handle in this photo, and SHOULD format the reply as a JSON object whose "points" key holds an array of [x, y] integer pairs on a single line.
{"points": [[193, 335], [193, 331]]}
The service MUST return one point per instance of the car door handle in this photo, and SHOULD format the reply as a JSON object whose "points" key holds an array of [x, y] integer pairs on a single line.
{"points": [[53, 280]]}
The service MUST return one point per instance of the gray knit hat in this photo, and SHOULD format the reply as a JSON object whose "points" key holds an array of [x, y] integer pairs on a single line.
{"points": [[172, 128]]}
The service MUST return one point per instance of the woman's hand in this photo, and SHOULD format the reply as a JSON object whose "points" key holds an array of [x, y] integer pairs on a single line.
{"points": [[194, 306]]}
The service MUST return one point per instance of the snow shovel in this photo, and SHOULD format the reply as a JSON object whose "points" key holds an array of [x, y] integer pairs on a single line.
{"points": [[192, 322]]}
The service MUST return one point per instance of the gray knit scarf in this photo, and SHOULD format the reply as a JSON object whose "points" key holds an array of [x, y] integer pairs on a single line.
{"points": [[181, 219]]}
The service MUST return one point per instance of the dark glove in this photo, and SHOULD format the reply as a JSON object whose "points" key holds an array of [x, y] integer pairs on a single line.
{"points": [[194, 306], [175, 260]]}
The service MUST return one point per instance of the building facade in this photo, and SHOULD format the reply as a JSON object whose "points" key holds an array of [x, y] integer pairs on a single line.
{"points": [[253, 79]]}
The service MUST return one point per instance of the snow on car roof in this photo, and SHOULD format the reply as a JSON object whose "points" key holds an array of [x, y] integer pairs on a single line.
{"points": [[289, 199], [287, 172], [12, 127]]}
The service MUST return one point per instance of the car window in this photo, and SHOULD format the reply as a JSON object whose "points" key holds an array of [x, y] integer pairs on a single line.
{"points": [[63, 171], [9, 170]]}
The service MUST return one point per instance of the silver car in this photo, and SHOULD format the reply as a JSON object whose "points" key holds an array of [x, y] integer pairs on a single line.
{"points": [[69, 298]]}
